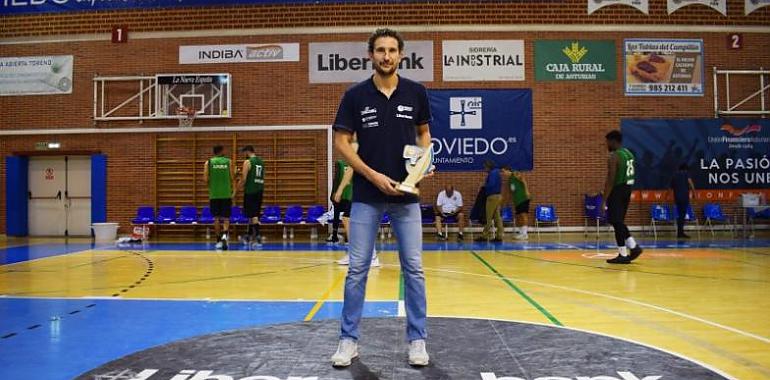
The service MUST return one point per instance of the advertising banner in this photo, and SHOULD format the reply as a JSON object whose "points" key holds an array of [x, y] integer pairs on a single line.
{"points": [[346, 62], [664, 67], [584, 60], [483, 60], [471, 126], [41, 75], [239, 53], [722, 154]]}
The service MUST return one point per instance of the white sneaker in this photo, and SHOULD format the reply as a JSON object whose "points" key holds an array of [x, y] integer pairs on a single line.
{"points": [[346, 352], [344, 261], [418, 356], [521, 237], [376, 262], [218, 246]]}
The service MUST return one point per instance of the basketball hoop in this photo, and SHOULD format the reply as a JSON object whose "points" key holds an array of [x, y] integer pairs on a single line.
{"points": [[186, 116]]}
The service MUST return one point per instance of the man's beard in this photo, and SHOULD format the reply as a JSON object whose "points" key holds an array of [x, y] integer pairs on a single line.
{"points": [[384, 72]]}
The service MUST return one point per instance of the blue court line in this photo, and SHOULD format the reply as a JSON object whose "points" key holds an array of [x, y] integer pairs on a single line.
{"points": [[452, 246], [64, 345]]}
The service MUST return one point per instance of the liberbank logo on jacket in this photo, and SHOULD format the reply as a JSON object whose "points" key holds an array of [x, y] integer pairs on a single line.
{"points": [[472, 126]]}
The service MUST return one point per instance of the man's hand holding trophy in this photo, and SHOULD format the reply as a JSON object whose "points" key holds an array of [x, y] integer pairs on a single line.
{"points": [[419, 163]]}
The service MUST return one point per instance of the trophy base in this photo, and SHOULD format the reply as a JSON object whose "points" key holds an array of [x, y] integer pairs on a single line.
{"points": [[405, 188]]}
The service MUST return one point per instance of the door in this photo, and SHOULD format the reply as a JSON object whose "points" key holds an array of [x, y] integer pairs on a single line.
{"points": [[60, 196], [47, 177], [77, 196]]}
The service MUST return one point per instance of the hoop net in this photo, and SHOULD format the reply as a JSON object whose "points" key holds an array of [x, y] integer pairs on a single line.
{"points": [[186, 116]]}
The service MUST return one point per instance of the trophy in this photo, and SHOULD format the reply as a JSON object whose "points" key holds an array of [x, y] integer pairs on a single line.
{"points": [[419, 162]]}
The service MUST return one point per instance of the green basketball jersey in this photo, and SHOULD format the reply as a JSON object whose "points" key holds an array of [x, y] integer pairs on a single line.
{"points": [[220, 183], [347, 192], [255, 179], [625, 173], [518, 191]]}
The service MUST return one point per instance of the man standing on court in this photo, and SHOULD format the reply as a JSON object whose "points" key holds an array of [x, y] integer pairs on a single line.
{"points": [[219, 173], [520, 197], [681, 185], [492, 188], [252, 181], [617, 196], [387, 112]]}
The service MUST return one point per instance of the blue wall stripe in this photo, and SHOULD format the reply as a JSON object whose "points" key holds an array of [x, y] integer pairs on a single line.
{"points": [[98, 188], [16, 189]]}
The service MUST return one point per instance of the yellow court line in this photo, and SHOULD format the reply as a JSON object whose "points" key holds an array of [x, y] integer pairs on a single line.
{"points": [[325, 297]]}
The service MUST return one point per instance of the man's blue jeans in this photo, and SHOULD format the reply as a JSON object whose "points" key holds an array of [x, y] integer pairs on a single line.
{"points": [[407, 225]]}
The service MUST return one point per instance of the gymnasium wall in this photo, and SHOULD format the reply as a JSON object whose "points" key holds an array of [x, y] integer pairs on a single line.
{"points": [[570, 118]]}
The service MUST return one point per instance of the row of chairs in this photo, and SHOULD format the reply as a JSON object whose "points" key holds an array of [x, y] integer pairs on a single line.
{"points": [[294, 214], [663, 214], [544, 215]]}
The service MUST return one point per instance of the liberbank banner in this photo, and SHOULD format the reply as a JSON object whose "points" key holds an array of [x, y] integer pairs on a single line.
{"points": [[471, 126], [345, 62], [722, 154]]}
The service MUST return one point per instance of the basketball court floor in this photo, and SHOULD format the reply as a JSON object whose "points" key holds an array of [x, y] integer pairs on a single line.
{"points": [[536, 310]]}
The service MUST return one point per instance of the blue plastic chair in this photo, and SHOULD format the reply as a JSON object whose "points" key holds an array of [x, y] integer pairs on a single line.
{"points": [[271, 215], [237, 217], [206, 217], [506, 214], [546, 214], [385, 226], [293, 214], [427, 213], [187, 215], [166, 215], [660, 213], [313, 213], [144, 215], [592, 211], [712, 212]]}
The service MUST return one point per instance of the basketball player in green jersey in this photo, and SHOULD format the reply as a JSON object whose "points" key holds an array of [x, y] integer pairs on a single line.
{"points": [[520, 197], [219, 173], [617, 196], [252, 181]]}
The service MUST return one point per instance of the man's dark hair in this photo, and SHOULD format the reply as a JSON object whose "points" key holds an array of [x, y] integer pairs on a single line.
{"points": [[218, 149], [386, 32], [247, 149], [489, 164], [614, 136], [507, 167]]}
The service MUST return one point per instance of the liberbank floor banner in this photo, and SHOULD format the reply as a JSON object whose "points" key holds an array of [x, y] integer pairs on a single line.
{"points": [[730, 155], [471, 126]]}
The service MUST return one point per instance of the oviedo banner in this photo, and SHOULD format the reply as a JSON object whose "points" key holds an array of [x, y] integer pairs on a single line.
{"points": [[471, 126], [725, 156]]}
